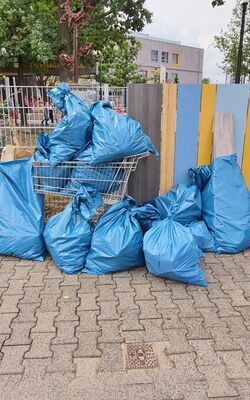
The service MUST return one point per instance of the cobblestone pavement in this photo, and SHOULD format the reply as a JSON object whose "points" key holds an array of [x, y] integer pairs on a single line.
{"points": [[64, 336]]}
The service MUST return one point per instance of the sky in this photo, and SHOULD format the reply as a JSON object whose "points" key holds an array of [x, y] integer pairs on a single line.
{"points": [[194, 23]]}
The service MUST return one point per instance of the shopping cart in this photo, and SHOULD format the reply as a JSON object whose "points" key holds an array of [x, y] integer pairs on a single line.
{"points": [[59, 184]]}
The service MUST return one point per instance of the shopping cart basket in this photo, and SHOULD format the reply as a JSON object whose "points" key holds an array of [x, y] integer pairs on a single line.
{"points": [[64, 180]]}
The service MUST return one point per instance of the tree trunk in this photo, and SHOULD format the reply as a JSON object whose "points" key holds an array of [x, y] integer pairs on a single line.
{"points": [[65, 48]]}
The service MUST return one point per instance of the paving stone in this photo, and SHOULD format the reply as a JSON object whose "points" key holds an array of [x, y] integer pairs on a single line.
{"points": [[62, 360], [211, 317], [71, 280], [36, 279], [240, 258], [222, 339], [148, 310], [12, 359], [133, 336], [215, 291], [110, 332], [139, 276], [106, 292], [171, 318], [39, 266], [126, 301], [3, 338], [195, 328], [227, 282], [20, 334], [121, 274], [40, 347], [130, 321], [206, 354], [245, 312], [49, 303], [211, 258], [7, 267], [225, 308], [34, 377], [5, 321], [242, 387], [111, 357], [27, 312], [245, 268], [237, 275], [153, 330], [65, 333], [237, 298], [67, 311], [194, 390], [86, 373], [57, 385], [70, 293], [218, 269], [10, 303], [177, 341], [235, 366], [164, 300], [218, 384], [54, 272], [210, 278], [201, 300], [108, 310], [179, 292], [123, 285], [244, 345], [5, 280], [88, 302], [106, 279], [88, 286], [31, 295], [157, 284], [237, 327], [88, 321], [142, 292], [52, 286], [15, 287], [186, 370], [187, 309], [45, 322], [245, 286], [87, 345]]}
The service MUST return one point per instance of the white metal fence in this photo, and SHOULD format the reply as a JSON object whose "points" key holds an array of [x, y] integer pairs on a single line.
{"points": [[26, 111]]}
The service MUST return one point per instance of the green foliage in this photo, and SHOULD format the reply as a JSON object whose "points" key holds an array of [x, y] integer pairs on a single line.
{"points": [[228, 42], [218, 3], [206, 80]]}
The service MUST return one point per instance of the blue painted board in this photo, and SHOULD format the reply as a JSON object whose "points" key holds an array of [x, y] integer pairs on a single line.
{"points": [[234, 99], [187, 127]]}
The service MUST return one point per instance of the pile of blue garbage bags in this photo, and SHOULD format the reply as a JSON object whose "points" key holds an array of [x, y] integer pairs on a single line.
{"points": [[168, 234]]}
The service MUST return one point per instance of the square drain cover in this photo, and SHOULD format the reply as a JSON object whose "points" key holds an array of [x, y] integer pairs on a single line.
{"points": [[140, 355]]}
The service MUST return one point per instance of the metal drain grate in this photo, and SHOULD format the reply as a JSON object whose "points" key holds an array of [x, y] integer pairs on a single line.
{"points": [[140, 355]]}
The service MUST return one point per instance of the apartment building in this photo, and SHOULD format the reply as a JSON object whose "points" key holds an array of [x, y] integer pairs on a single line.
{"points": [[167, 61]]}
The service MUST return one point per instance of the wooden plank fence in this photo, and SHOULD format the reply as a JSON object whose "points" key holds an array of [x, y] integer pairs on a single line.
{"points": [[179, 120]]}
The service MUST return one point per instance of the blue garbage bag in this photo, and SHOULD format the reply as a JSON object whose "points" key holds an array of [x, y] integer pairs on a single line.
{"points": [[147, 215], [182, 204], [74, 131], [116, 136], [116, 243], [203, 237], [104, 178], [68, 234], [226, 206], [171, 252], [51, 179], [21, 212]]}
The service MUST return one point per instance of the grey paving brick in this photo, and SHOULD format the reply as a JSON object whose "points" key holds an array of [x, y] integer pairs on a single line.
{"points": [[201, 300], [211, 317], [142, 292], [52, 286], [122, 274], [65, 333], [130, 321], [106, 279], [62, 359], [237, 298], [7, 267], [49, 303], [21, 273], [88, 321], [210, 277], [87, 345], [3, 338], [5, 280], [179, 292], [139, 276], [108, 310], [133, 336], [71, 280], [218, 269], [106, 292], [16, 287], [41, 345], [67, 311], [10, 303], [171, 318], [123, 285], [195, 328], [218, 383], [5, 321], [242, 386], [186, 369], [235, 366], [34, 374], [53, 272], [36, 279], [164, 300], [153, 330], [215, 291], [237, 275], [211, 258], [206, 354], [245, 286], [244, 345], [88, 286], [245, 268], [240, 258], [187, 309], [39, 266], [20, 334], [222, 339], [227, 282], [237, 327], [12, 359], [148, 310], [177, 341], [45, 322], [110, 332], [27, 312], [157, 284], [31, 295], [245, 312], [88, 302], [111, 357], [225, 308], [126, 301]]}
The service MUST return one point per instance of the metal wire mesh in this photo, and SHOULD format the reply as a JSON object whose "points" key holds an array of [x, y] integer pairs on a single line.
{"points": [[66, 178]]}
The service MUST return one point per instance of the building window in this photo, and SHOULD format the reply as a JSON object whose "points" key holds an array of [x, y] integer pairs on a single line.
{"points": [[164, 57], [175, 58], [154, 55]]}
